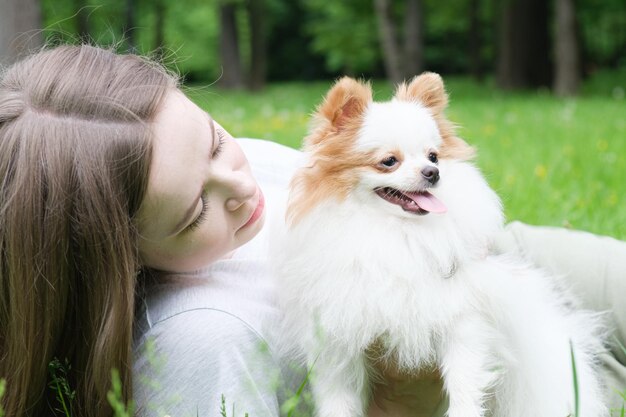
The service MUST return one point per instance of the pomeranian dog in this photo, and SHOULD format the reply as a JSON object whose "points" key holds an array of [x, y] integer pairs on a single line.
{"points": [[387, 245]]}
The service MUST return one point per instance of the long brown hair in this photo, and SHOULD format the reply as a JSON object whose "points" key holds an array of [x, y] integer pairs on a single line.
{"points": [[75, 149]]}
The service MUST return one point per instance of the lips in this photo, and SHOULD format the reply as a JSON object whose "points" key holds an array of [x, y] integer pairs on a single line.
{"points": [[417, 202], [258, 211]]}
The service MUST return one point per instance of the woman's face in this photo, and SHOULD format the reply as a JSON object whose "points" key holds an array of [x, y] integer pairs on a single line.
{"points": [[202, 201]]}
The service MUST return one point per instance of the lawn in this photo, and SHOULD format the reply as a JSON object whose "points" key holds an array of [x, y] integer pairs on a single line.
{"points": [[559, 162]]}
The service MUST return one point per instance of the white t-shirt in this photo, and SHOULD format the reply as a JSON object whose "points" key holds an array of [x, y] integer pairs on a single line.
{"points": [[204, 335]]}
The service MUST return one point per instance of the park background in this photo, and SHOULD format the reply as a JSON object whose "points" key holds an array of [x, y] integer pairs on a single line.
{"points": [[538, 86]]}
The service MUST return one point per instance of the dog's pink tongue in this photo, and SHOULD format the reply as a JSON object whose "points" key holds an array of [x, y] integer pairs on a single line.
{"points": [[427, 201]]}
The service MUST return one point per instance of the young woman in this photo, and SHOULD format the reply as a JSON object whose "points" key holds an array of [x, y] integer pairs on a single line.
{"points": [[132, 238]]}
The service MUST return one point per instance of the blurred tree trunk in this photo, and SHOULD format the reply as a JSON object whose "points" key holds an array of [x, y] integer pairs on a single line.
{"points": [[258, 59], [475, 41], [82, 23], [159, 26], [388, 40], [413, 38], [20, 22], [523, 53], [129, 29], [232, 73], [566, 50]]}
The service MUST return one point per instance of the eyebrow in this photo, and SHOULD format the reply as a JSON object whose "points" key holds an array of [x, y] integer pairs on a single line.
{"points": [[192, 209]]}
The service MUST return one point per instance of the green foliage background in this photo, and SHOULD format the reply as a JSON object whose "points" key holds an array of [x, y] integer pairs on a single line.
{"points": [[318, 39]]}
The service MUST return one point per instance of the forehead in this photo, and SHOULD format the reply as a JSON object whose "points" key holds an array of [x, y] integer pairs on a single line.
{"points": [[398, 124]]}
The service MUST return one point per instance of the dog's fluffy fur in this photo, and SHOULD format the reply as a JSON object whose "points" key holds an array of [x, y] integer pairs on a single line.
{"points": [[357, 270]]}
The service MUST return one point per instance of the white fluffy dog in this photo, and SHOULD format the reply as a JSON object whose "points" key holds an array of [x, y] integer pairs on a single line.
{"points": [[387, 245]]}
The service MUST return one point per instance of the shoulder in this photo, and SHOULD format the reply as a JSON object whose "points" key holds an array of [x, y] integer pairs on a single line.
{"points": [[231, 299], [203, 338], [194, 325], [188, 361]]}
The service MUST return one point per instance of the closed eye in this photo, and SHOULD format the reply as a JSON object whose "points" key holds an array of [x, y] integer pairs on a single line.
{"points": [[221, 136], [202, 216]]}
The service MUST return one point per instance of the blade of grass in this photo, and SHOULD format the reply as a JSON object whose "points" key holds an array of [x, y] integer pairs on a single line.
{"points": [[575, 375], [3, 386], [621, 346], [300, 389], [296, 399], [116, 399], [59, 384], [223, 407]]}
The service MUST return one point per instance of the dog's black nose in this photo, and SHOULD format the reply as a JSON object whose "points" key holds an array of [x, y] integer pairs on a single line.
{"points": [[431, 174]]}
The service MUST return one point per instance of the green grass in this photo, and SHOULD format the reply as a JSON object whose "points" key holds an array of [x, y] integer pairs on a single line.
{"points": [[559, 162]]}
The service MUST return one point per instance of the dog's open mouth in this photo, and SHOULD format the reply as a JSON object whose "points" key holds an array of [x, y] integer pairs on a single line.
{"points": [[418, 202]]}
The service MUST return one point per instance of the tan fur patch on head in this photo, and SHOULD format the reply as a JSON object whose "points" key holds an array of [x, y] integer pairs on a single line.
{"points": [[428, 89], [341, 109], [331, 172]]}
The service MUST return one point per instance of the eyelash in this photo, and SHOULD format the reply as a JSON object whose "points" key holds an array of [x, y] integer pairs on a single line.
{"points": [[218, 150], [202, 216], [205, 202]]}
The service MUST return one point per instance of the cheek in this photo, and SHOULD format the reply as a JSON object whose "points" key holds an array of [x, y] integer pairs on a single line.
{"points": [[189, 253], [232, 149], [238, 157], [207, 244]]}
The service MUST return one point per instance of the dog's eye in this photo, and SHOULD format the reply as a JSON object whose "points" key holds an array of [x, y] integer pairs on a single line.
{"points": [[432, 157], [389, 162]]}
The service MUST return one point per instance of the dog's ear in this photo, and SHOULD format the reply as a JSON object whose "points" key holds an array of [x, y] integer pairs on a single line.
{"points": [[347, 99], [341, 109], [426, 88]]}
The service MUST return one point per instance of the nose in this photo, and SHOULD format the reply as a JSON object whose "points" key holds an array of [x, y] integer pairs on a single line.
{"points": [[238, 188], [431, 174]]}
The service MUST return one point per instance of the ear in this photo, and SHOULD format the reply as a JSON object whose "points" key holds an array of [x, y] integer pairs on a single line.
{"points": [[426, 88], [345, 101]]}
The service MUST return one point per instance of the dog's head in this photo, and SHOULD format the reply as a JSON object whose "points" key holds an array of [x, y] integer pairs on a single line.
{"points": [[386, 154]]}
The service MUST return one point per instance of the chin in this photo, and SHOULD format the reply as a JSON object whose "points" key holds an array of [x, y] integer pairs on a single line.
{"points": [[385, 257]]}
